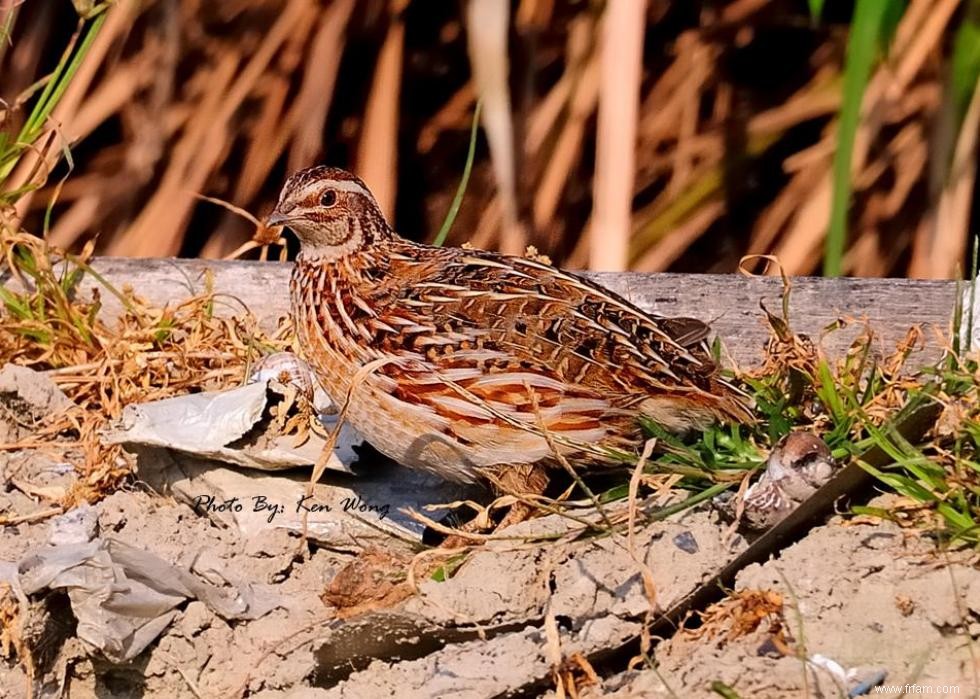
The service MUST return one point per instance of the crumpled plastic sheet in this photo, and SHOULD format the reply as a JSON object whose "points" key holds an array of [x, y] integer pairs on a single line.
{"points": [[182, 445], [216, 425], [122, 596]]}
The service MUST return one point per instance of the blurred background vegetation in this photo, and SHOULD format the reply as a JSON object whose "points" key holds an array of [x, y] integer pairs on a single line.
{"points": [[653, 135]]}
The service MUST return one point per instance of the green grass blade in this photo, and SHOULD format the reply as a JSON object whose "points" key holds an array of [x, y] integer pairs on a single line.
{"points": [[14, 303], [85, 267], [461, 190], [894, 10], [719, 687], [36, 117], [816, 9], [965, 63], [54, 89], [862, 46], [903, 485], [64, 80], [827, 392]]}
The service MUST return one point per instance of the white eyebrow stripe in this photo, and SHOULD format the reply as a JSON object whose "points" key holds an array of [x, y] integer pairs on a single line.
{"points": [[339, 185]]}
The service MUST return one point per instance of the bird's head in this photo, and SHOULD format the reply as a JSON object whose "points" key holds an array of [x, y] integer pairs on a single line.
{"points": [[331, 211]]}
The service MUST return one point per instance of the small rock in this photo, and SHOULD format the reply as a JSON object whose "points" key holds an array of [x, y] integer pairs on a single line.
{"points": [[861, 680], [686, 542], [30, 393], [77, 526], [269, 542], [195, 619]]}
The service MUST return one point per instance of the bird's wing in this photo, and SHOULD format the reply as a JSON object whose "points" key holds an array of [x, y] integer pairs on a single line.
{"points": [[487, 338], [535, 312]]}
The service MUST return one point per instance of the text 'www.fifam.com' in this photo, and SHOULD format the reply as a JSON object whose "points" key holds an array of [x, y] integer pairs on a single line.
{"points": [[918, 689]]}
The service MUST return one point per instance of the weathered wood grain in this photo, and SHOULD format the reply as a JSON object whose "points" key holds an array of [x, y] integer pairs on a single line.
{"points": [[729, 303]]}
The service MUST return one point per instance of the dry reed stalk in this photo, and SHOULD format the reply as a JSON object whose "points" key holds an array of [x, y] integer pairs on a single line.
{"points": [[864, 258], [679, 145], [656, 221], [578, 258], [534, 14], [488, 227], [24, 56], [907, 156], [660, 108], [697, 64], [309, 114], [621, 54], [810, 157], [772, 220], [277, 123], [809, 167], [158, 228], [377, 153], [452, 115], [821, 97], [223, 242], [927, 36], [799, 249], [74, 223], [661, 255], [268, 136], [550, 108], [575, 95], [109, 97], [568, 147], [941, 243], [487, 26], [741, 10]]}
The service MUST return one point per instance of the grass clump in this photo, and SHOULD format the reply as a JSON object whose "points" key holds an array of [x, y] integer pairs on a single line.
{"points": [[867, 406], [37, 135], [48, 323]]}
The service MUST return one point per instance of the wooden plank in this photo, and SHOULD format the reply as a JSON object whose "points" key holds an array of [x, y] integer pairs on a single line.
{"points": [[730, 303]]}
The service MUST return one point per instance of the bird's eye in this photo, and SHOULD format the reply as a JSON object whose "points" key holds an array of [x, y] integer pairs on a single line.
{"points": [[329, 198]]}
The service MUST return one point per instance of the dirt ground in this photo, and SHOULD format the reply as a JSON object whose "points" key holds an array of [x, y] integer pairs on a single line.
{"points": [[247, 611]]}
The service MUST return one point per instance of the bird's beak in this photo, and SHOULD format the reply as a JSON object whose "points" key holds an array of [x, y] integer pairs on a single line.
{"points": [[276, 218]]}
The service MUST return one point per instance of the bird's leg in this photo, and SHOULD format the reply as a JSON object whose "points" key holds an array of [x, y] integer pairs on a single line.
{"points": [[521, 480]]}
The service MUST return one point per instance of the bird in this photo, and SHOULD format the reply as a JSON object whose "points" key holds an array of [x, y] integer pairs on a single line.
{"points": [[798, 466], [474, 365]]}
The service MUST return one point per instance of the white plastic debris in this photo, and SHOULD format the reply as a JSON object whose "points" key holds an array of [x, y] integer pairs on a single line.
{"points": [[228, 426], [183, 445], [123, 597], [287, 368], [855, 681]]}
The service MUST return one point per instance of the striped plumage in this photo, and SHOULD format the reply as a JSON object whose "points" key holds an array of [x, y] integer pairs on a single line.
{"points": [[460, 356]]}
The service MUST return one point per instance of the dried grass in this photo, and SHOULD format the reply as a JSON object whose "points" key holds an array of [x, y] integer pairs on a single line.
{"points": [[148, 354], [13, 645], [742, 613]]}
